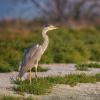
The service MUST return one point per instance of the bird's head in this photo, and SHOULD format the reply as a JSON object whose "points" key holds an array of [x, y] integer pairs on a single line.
{"points": [[49, 27]]}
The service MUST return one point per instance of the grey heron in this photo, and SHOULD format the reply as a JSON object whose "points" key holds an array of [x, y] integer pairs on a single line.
{"points": [[33, 54]]}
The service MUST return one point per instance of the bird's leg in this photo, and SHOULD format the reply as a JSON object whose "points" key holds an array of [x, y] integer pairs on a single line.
{"points": [[36, 71], [30, 76]]}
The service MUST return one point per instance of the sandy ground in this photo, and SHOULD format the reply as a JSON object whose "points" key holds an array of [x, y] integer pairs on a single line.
{"points": [[59, 92]]}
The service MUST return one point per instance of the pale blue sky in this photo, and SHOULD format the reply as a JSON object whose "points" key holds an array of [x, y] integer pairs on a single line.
{"points": [[17, 10]]}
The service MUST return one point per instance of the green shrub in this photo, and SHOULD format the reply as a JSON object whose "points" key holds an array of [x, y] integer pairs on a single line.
{"points": [[66, 46], [4, 66]]}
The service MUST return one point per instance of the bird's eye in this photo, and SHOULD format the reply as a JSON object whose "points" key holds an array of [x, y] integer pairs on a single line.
{"points": [[47, 25]]}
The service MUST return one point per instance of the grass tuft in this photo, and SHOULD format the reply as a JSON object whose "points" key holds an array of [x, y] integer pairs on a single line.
{"points": [[84, 67], [40, 69], [44, 85], [14, 98], [39, 86], [81, 67]]}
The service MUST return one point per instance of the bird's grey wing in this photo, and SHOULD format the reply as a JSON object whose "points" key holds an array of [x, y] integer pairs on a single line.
{"points": [[31, 55], [29, 52]]}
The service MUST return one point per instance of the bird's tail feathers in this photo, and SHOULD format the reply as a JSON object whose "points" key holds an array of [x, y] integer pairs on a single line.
{"points": [[21, 73]]}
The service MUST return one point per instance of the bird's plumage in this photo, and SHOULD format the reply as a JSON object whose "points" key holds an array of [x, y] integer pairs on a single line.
{"points": [[29, 53], [33, 54]]}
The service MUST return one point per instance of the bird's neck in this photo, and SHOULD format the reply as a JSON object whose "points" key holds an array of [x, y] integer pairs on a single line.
{"points": [[46, 40]]}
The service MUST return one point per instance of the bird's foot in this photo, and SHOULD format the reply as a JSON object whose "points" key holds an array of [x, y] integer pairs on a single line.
{"points": [[36, 76], [28, 77]]}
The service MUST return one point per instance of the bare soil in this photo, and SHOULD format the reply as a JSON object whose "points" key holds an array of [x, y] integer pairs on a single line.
{"points": [[82, 91]]}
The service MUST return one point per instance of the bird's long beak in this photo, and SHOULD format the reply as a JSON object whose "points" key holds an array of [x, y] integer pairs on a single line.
{"points": [[54, 27]]}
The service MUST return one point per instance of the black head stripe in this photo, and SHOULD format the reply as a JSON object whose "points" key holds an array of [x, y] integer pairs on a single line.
{"points": [[47, 25]]}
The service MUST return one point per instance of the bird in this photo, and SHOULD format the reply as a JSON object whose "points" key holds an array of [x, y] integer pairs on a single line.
{"points": [[34, 53]]}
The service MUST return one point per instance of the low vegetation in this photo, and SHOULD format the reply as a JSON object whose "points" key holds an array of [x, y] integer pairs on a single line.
{"points": [[66, 46], [84, 67], [40, 69], [44, 85], [14, 98], [40, 86], [8, 68]]}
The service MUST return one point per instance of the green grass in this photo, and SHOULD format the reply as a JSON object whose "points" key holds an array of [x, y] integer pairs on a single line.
{"points": [[40, 69], [44, 85], [40, 86], [84, 67], [66, 46], [7, 68], [14, 98]]}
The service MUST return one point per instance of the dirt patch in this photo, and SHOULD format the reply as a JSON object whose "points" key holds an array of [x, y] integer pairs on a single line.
{"points": [[59, 92]]}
